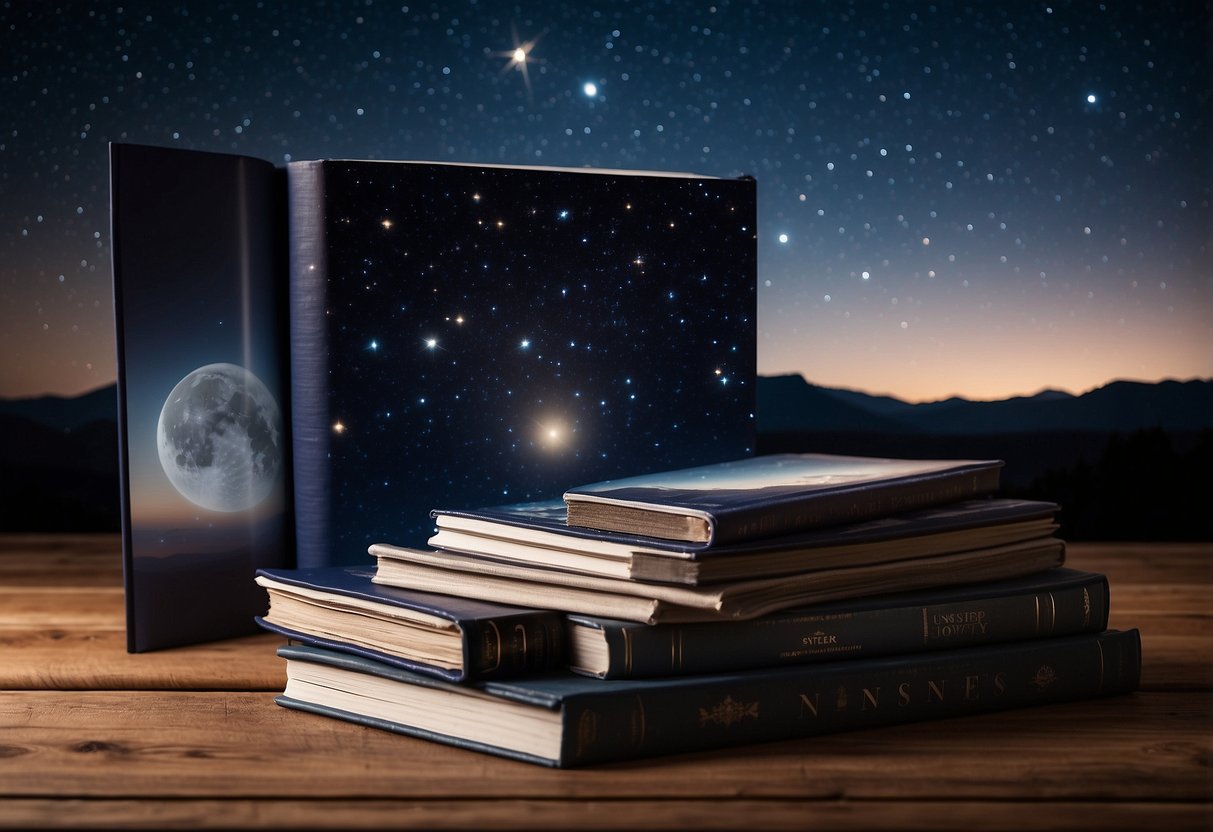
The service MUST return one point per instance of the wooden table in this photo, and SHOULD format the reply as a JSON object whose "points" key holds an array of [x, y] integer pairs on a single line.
{"points": [[93, 737]]}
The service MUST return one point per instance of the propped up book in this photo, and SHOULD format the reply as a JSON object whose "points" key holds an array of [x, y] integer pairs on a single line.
{"points": [[477, 335], [200, 303]]}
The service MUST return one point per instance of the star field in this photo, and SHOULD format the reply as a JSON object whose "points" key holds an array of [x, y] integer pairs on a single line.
{"points": [[981, 199], [498, 333]]}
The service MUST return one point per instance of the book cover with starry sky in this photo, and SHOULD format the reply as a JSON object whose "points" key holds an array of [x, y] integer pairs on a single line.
{"points": [[473, 335]]}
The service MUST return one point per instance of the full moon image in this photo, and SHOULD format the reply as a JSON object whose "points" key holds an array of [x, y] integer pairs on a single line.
{"points": [[220, 438]]}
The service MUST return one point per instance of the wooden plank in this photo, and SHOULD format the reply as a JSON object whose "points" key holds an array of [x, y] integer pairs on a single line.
{"points": [[94, 608], [60, 560], [117, 745], [591, 815], [81, 659], [1145, 563]]}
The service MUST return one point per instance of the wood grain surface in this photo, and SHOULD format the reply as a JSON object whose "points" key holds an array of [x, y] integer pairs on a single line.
{"points": [[93, 737]]}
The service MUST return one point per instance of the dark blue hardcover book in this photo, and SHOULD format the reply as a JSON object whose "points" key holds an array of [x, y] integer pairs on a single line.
{"points": [[470, 334], [569, 720], [444, 636], [765, 496], [537, 533], [1046, 604], [199, 263]]}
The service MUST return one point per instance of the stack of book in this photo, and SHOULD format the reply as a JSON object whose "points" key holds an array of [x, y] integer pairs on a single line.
{"points": [[764, 599]]}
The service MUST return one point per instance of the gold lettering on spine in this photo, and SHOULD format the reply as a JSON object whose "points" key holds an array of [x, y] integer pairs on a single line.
{"points": [[728, 712], [1037, 599], [1052, 613], [925, 629], [870, 698], [971, 687], [903, 694], [935, 689], [627, 651], [499, 643], [810, 704]]}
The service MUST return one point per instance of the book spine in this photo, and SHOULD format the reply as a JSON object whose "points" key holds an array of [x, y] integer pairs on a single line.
{"points": [[736, 709], [854, 505], [799, 636], [309, 363], [117, 153], [514, 646]]}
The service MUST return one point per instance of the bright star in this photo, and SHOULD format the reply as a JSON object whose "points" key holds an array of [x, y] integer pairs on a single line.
{"points": [[590, 89], [553, 435], [526, 344], [783, 238], [431, 343], [338, 428], [1091, 99], [374, 346], [519, 58]]}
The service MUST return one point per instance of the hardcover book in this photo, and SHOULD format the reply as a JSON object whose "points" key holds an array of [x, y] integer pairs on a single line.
{"points": [[473, 334], [652, 603], [569, 720], [1043, 605], [200, 305], [537, 534], [770, 495], [444, 636]]}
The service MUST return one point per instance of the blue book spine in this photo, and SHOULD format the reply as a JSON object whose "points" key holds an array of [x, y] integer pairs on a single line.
{"points": [[1055, 603], [310, 428], [737, 709], [603, 721]]}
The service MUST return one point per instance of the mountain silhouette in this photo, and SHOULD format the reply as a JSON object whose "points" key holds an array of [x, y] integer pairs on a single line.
{"points": [[66, 413], [1126, 461], [788, 403]]}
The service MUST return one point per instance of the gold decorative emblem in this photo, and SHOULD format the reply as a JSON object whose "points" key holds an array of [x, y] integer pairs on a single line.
{"points": [[728, 712], [1044, 677]]}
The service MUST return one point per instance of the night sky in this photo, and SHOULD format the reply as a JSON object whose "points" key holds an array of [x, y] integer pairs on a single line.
{"points": [[983, 200], [494, 334]]}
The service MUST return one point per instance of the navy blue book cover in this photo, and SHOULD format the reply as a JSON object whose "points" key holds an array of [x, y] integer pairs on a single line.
{"points": [[764, 496], [602, 720], [470, 335], [200, 287], [550, 517], [1045, 604], [488, 631]]}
